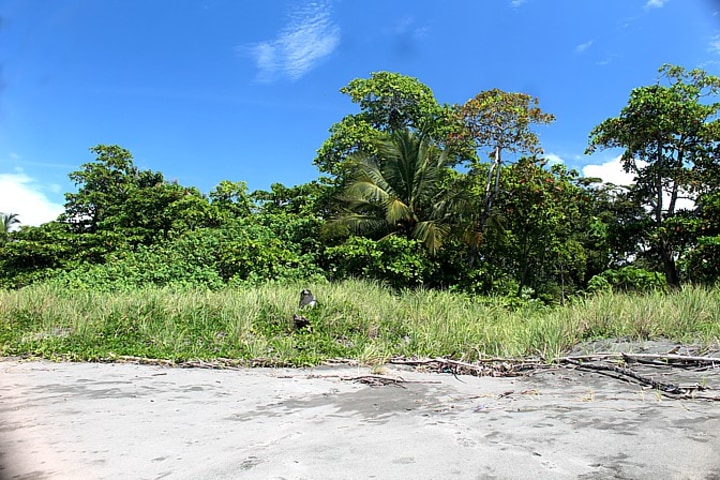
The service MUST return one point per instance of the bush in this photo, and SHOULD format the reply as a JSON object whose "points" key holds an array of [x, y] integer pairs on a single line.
{"points": [[147, 266], [703, 262], [627, 279], [236, 254], [394, 261]]}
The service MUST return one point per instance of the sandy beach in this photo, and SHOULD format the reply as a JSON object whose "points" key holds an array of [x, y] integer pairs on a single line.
{"points": [[110, 421]]}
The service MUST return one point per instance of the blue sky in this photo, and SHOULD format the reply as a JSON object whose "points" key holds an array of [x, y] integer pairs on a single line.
{"points": [[213, 90]]}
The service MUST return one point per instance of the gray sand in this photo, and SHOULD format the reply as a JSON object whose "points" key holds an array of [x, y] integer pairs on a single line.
{"points": [[112, 421]]}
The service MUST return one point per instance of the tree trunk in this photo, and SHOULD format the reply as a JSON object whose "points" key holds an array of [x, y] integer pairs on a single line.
{"points": [[671, 273], [490, 193]]}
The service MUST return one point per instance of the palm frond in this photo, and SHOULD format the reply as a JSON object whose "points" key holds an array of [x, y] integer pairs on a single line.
{"points": [[368, 170], [396, 211], [362, 224], [495, 227], [366, 191], [431, 234], [7, 220], [401, 186]]}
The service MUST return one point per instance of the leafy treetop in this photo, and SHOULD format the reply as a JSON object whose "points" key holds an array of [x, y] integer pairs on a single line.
{"points": [[502, 120], [389, 102], [670, 134]]}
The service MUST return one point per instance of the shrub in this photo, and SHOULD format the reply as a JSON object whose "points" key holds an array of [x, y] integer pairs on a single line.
{"points": [[627, 279], [394, 261]]}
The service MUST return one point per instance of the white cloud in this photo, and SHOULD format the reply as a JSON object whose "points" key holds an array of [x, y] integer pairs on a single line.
{"points": [[583, 46], [656, 3], [23, 195], [610, 172], [553, 159], [309, 36], [517, 3]]}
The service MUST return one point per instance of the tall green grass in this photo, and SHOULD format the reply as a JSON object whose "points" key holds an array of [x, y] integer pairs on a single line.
{"points": [[353, 319]]}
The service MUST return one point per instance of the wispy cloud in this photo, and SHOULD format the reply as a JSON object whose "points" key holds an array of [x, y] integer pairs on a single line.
{"points": [[309, 36], [517, 3], [656, 3], [407, 28], [24, 196], [607, 60], [714, 46], [583, 46]]}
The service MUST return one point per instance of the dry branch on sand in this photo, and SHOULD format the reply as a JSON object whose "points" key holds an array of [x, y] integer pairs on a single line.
{"points": [[610, 364]]}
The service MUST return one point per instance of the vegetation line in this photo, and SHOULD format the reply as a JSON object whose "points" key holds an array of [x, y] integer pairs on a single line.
{"points": [[356, 320]]}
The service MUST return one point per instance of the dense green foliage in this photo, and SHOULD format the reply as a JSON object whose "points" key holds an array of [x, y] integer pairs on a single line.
{"points": [[670, 137], [397, 191], [414, 194]]}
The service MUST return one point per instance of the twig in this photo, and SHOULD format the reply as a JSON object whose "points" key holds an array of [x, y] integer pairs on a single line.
{"points": [[216, 364], [513, 366], [140, 360], [609, 364], [376, 380], [591, 356]]}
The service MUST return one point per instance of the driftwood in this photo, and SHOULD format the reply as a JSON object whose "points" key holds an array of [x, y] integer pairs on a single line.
{"points": [[626, 374], [675, 360], [496, 367], [610, 364]]}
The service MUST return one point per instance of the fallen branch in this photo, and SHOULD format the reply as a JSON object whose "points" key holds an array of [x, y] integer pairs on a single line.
{"points": [[496, 368], [669, 358], [626, 372], [140, 360]]}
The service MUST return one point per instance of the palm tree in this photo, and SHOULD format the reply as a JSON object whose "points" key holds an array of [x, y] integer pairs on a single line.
{"points": [[398, 190], [8, 220]]}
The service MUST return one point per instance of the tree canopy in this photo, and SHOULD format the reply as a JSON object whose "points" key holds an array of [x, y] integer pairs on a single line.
{"points": [[669, 135], [412, 192], [389, 102]]}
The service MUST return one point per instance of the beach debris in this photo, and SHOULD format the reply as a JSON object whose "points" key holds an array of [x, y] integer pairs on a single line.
{"points": [[615, 365], [300, 322]]}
